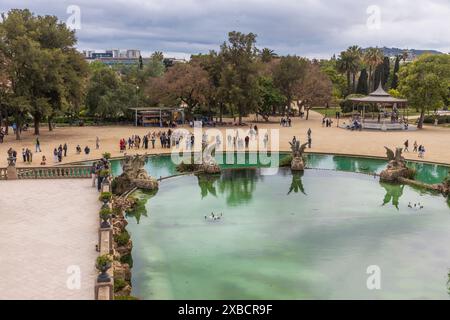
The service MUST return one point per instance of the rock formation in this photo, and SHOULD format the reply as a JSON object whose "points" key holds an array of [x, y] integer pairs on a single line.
{"points": [[134, 175], [396, 167], [298, 162]]}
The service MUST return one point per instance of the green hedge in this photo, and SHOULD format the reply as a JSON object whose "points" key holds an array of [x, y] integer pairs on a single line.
{"points": [[441, 119]]}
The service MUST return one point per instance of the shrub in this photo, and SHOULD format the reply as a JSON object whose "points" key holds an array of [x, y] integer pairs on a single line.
{"points": [[119, 284], [104, 173], [103, 260], [107, 155], [441, 119], [105, 213], [122, 238], [128, 259], [105, 196]]}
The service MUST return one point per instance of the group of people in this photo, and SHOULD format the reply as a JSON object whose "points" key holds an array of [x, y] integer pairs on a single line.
{"points": [[326, 122], [27, 155], [420, 149], [59, 152], [285, 122], [97, 168]]}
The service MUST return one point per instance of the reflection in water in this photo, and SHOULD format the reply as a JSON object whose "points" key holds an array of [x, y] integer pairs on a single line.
{"points": [[340, 165], [393, 193], [238, 185], [271, 245], [297, 184], [207, 184], [140, 209]]}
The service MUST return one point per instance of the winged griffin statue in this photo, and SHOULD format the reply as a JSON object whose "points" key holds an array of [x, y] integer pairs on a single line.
{"points": [[297, 163]]}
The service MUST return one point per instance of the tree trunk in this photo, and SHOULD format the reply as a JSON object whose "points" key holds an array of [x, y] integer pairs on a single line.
{"points": [[370, 79], [307, 113], [18, 126], [50, 127], [420, 122], [354, 83], [349, 87], [37, 120], [6, 122], [221, 111]]}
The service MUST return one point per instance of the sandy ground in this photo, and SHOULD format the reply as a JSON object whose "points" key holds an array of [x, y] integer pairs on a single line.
{"points": [[327, 140], [46, 245]]}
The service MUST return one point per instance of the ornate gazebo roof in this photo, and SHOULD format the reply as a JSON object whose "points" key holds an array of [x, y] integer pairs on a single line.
{"points": [[379, 96]]}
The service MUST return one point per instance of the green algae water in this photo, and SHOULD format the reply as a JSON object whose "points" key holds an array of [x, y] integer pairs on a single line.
{"points": [[291, 236]]}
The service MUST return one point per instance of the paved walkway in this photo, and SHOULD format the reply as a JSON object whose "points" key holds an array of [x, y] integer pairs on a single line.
{"points": [[46, 227], [327, 140]]}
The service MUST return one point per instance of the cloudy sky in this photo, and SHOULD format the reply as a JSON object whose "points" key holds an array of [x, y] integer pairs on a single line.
{"points": [[312, 28]]}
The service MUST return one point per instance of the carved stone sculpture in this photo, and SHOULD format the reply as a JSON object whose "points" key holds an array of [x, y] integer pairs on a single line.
{"points": [[298, 162], [134, 175], [396, 167], [209, 163]]}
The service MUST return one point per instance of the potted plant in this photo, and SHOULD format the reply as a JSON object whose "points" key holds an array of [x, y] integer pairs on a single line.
{"points": [[104, 173], [105, 214], [105, 197], [103, 264]]}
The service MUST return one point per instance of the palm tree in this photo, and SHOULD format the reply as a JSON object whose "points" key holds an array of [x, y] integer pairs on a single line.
{"points": [[356, 53], [267, 55], [373, 57], [348, 63]]}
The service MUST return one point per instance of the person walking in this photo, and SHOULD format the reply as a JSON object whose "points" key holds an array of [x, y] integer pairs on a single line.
{"points": [[415, 146], [65, 149], [97, 143], [406, 144]]}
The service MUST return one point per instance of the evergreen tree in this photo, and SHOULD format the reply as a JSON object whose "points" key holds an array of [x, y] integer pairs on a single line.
{"points": [[141, 63], [362, 87], [394, 83], [386, 71]]}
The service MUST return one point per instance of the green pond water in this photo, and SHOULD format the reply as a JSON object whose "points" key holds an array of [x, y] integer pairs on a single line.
{"points": [[290, 236], [162, 166]]}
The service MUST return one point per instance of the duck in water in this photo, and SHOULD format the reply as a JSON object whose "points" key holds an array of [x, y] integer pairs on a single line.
{"points": [[213, 217]]}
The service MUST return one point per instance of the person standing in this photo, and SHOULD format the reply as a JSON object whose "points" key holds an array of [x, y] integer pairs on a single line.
{"points": [[153, 140], [65, 149], [406, 144], [415, 146], [97, 143], [24, 155], [55, 155], [38, 145]]}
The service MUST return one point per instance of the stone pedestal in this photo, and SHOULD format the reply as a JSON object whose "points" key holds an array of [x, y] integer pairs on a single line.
{"points": [[297, 164], [211, 168], [392, 174], [11, 173]]}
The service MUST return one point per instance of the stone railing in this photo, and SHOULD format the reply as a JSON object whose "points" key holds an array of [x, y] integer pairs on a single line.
{"points": [[72, 172], [105, 290]]}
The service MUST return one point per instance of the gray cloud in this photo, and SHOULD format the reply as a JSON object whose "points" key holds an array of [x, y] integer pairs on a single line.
{"points": [[313, 28]]}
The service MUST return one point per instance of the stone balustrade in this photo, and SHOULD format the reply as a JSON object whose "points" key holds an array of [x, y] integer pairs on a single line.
{"points": [[72, 172]]}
